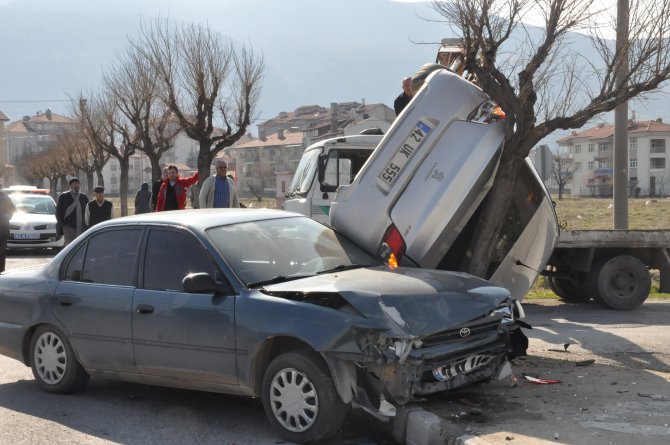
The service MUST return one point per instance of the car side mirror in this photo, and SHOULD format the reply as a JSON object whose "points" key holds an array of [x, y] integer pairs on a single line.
{"points": [[200, 283], [321, 175]]}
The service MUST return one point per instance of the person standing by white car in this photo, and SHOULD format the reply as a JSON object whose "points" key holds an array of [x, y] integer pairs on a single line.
{"points": [[218, 191], [70, 211], [6, 211]]}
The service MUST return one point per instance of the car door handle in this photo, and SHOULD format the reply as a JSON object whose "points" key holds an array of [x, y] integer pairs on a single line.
{"points": [[144, 309], [64, 301]]}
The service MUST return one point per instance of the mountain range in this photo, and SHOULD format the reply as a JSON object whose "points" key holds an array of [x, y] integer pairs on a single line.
{"points": [[315, 51]]}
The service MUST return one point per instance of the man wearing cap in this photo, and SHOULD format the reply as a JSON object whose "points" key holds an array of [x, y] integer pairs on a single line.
{"points": [[218, 191], [98, 209], [70, 211]]}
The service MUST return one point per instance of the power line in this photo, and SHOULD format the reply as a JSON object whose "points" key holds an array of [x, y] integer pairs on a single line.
{"points": [[32, 101]]}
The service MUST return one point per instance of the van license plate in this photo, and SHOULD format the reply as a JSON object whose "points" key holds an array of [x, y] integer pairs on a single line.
{"points": [[403, 155]]}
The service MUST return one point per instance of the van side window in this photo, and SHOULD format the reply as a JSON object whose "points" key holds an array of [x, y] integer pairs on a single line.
{"points": [[343, 166]]}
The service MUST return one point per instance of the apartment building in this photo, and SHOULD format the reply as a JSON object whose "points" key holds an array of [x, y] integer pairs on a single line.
{"points": [[591, 154], [321, 123], [264, 164], [33, 134]]}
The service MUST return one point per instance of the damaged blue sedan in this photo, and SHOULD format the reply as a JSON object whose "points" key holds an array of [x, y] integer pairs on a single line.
{"points": [[263, 303]]}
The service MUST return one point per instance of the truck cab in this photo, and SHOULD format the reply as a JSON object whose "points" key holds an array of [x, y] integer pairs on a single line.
{"points": [[313, 189]]}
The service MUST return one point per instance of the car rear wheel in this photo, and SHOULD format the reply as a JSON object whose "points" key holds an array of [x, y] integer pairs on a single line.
{"points": [[300, 398], [53, 362]]}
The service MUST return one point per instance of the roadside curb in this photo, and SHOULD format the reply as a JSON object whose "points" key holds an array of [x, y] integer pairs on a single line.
{"points": [[415, 426]]}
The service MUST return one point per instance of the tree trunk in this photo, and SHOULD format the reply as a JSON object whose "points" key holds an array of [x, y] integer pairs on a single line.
{"points": [[101, 179], [89, 179], [156, 170], [123, 186], [205, 158]]}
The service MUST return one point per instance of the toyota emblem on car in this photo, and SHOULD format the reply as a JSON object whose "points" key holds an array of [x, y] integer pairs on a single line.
{"points": [[465, 332]]}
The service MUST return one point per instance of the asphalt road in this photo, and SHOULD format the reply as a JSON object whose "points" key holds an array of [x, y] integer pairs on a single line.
{"points": [[622, 396], [613, 381]]}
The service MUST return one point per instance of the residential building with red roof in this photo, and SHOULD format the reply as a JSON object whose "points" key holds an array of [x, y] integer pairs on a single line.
{"points": [[34, 134], [319, 123], [265, 166], [591, 154]]}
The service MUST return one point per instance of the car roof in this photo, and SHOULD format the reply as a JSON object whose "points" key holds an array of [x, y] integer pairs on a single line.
{"points": [[201, 218], [24, 195]]}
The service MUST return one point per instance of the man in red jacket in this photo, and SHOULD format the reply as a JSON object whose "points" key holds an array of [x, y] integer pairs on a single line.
{"points": [[172, 194]]}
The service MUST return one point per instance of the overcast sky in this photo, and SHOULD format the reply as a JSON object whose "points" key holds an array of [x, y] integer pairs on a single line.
{"points": [[316, 51]]}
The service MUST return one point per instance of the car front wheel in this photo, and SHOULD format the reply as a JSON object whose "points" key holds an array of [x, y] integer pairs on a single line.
{"points": [[53, 362], [300, 398]]}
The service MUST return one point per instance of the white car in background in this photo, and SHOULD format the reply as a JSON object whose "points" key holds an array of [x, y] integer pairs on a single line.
{"points": [[33, 224]]}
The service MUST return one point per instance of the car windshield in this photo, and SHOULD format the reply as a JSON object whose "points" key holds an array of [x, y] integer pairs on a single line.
{"points": [[270, 251], [302, 178], [43, 205]]}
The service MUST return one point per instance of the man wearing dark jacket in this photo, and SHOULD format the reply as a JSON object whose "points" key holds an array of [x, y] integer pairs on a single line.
{"points": [[155, 188], [98, 209], [143, 199], [70, 211], [403, 99], [6, 211]]}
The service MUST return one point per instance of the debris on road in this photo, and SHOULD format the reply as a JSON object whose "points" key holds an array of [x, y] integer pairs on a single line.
{"points": [[588, 362], [538, 381], [653, 396]]}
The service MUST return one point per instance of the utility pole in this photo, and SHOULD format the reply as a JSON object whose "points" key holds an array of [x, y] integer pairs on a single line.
{"points": [[620, 175]]}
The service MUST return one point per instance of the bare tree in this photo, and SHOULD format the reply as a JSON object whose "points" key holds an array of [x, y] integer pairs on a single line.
{"points": [[75, 146], [562, 170], [206, 79], [53, 164], [106, 127], [542, 86], [135, 89], [86, 151]]}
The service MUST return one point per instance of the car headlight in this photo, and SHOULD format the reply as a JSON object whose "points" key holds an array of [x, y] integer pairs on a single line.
{"points": [[505, 311], [51, 226]]}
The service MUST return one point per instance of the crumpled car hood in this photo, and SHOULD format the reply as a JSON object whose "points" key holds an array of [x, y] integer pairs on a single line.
{"points": [[411, 302]]}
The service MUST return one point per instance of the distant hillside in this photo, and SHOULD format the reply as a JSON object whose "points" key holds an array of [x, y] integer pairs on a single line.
{"points": [[316, 52]]}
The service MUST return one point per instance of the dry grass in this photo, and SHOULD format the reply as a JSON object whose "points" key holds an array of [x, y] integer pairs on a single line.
{"points": [[591, 213]]}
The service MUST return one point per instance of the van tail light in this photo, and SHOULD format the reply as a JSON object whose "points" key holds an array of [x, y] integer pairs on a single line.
{"points": [[487, 112], [392, 247]]}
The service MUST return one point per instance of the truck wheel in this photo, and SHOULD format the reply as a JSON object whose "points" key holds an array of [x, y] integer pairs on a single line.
{"points": [[622, 282], [569, 291]]}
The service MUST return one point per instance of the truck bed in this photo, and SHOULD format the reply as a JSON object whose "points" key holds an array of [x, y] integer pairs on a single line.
{"points": [[613, 238]]}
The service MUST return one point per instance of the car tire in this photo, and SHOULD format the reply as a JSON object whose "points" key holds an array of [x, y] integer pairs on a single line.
{"points": [[621, 282], [568, 291], [300, 398], [54, 363]]}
